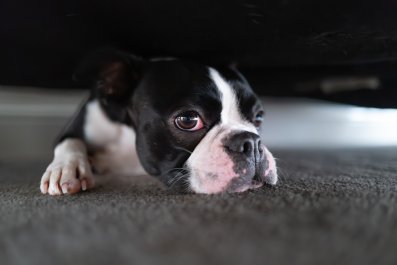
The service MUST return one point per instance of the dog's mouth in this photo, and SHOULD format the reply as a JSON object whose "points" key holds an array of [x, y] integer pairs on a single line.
{"points": [[254, 184], [247, 182], [269, 180]]}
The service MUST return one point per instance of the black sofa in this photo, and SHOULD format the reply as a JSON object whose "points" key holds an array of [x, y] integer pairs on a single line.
{"points": [[281, 46]]}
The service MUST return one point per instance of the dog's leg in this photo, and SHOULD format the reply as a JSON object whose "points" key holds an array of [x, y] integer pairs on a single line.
{"points": [[103, 124], [69, 172], [109, 142]]}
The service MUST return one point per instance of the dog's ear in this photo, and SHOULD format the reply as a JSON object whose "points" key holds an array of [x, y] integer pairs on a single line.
{"points": [[112, 73]]}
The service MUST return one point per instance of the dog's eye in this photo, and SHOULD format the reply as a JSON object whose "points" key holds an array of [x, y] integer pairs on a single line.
{"points": [[189, 121], [258, 118]]}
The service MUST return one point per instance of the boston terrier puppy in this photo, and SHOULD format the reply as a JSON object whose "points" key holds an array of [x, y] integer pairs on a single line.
{"points": [[194, 127]]}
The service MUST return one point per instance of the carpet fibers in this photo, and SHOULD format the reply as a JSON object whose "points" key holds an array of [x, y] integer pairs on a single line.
{"points": [[330, 207]]}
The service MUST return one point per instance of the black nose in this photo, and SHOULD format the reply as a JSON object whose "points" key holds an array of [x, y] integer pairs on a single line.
{"points": [[247, 144]]}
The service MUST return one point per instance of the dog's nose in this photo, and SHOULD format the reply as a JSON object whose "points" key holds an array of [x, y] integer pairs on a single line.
{"points": [[247, 144]]}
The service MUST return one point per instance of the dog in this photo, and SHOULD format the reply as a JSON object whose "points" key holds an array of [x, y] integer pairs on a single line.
{"points": [[194, 127]]}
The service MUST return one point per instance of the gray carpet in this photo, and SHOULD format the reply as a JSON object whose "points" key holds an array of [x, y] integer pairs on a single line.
{"points": [[330, 207]]}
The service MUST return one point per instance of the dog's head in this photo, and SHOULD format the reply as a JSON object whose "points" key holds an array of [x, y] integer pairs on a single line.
{"points": [[197, 127]]}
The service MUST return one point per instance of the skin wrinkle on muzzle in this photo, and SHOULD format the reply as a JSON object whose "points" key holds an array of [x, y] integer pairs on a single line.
{"points": [[212, 168]]}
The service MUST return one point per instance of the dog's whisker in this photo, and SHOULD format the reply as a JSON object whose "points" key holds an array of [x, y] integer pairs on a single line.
{"points": [[178, 179], [186, 186], [179, 172], [175, 179], [283, 176], [172, 180], [173, 169], [183, 149]]}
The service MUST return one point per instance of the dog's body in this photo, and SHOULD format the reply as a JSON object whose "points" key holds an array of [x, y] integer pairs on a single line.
{"points": [[194, 127]]}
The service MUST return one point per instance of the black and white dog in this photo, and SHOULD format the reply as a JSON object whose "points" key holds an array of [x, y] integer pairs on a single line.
{"points": [[194, 127]]}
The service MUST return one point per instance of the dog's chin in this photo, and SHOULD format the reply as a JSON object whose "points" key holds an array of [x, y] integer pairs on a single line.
{"points": [[257, 182], [254, 184]]}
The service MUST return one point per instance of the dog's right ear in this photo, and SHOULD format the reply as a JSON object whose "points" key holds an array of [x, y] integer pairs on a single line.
{"points": [[112, 74]]}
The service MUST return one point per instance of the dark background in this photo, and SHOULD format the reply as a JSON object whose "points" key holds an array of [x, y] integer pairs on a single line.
{"points": [[279, 45]]}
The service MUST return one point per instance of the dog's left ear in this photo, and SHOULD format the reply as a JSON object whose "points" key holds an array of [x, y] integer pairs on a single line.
{"points": [[112, 74]]}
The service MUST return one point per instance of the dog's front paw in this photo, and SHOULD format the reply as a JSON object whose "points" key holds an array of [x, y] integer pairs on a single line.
{"points": [[67, 176]]}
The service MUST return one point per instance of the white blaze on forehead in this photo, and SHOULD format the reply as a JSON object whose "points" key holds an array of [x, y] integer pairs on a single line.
{"points": [[231, 117]]}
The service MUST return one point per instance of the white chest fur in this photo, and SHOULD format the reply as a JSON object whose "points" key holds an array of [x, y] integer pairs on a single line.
{"points": [[114, 143]]}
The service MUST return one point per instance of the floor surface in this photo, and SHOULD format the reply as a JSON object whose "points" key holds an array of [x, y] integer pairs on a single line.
{"points": [[330, 207]]}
